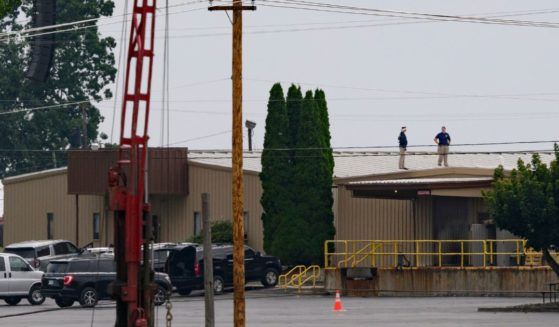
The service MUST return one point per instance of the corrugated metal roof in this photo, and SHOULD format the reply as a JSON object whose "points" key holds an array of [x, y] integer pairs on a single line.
{"points": [[366, 163], [444, 180], [350, 164]]}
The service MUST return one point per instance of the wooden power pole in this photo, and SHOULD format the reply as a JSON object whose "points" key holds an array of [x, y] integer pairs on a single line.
{"points": [[238, 228], [208, 263]]}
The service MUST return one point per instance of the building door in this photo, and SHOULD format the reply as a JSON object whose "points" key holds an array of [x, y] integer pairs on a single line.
{"points": [[451, 223]]}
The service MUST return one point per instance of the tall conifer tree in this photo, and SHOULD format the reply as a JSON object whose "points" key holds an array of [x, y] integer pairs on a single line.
{"points": [[294, 101], [275, 166], [297, 184]]}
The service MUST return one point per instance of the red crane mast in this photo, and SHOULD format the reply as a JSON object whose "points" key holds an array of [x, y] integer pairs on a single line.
{"points": [[133, 288]]}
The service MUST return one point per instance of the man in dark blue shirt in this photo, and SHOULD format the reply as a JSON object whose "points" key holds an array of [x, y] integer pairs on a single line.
{"points": [[443, 141], [403, 143]]}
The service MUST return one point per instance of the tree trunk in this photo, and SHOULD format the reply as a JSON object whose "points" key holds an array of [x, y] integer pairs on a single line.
{"points": [[551, 261]]}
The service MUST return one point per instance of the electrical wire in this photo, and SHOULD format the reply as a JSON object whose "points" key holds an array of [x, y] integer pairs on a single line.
{"points": [[327, 7], [84, 21], [334, 148], [122, 49]]}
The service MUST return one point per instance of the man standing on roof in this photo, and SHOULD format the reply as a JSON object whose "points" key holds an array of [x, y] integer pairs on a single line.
{"points": [[403, 142], [443, 141]]}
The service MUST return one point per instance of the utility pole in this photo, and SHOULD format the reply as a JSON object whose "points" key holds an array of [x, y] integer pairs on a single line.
{"points": [[208, 263], [237, 163]]}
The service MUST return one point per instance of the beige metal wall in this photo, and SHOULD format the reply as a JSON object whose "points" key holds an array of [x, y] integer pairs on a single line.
{"points": [[27, 202], [177, 215], [382, 219]]}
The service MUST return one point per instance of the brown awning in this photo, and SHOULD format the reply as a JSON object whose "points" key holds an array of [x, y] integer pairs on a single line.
{"points": [[413, 188], [167, 170]]}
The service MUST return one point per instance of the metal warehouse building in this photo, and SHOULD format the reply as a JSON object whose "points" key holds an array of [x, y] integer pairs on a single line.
{"points": [[373, 200]]}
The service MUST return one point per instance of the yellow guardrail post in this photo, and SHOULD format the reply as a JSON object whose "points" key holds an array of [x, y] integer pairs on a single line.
{"points": [[417, 250], [440, 254], [484, 253], [461, 254], [382, 255], [518, 254], [395, 249], [326, 253], [373, 255], [491, 245]]}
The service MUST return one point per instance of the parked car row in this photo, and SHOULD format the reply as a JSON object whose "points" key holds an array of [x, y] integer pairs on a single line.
{"points": [[185, 266], [59, 270], [86, 279]]}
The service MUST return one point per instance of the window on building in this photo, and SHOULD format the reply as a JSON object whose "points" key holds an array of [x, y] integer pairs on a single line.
{"points": [[96, 226], [50, 226], [197, 223], [246, 223]]}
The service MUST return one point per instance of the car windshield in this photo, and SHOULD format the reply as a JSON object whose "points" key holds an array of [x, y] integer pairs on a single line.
{"points": [[57, 267], [27, 253]]}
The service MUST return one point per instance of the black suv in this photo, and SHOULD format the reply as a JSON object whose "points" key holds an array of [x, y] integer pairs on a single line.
{"points": [[186, 268], [86, 278]]}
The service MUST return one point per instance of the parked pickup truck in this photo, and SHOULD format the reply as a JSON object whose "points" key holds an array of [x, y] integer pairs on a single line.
{"points": [[186, 268]]}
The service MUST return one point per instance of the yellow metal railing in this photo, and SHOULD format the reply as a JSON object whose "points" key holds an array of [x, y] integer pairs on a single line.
{"points": [[416, 253], [300, 276]]}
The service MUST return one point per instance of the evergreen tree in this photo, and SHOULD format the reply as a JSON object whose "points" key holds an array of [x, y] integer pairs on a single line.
{"points": [[83, 68], [302, 236], [275, 166], [327, 218], [320, 98], [297, 184], [294, 101]]}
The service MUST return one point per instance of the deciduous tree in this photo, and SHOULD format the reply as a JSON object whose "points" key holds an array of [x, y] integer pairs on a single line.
{"points": [[526, 203], [83, 68]]}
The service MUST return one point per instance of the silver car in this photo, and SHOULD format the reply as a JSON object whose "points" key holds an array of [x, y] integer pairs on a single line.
{"points": [[40, 253], [19, 280]]}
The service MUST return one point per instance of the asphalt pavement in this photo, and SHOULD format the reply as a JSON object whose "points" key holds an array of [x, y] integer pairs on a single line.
{"points": [[267, 307]]}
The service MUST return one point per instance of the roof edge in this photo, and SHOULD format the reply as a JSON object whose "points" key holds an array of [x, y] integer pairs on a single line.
{"points": [[419, 173], [35, 175]]}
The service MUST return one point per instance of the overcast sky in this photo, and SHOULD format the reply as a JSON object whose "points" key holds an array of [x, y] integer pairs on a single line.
{"points": [[376, 78], [486, 83]]}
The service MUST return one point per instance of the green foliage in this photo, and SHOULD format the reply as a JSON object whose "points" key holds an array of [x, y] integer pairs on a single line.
{"points": [[222, 232], [303, 180], [293, 105], [83, 68], [527, 203], [275, 165], [8, 6]]}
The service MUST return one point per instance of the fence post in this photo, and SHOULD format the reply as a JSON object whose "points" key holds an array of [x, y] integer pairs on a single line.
{"points": [[440, 254], [417, 249], [517, 254], [461, 254], [395, 249], [484, 253]]}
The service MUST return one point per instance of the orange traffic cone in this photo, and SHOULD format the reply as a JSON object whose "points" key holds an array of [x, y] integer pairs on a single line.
{"points": [[338, 307]]}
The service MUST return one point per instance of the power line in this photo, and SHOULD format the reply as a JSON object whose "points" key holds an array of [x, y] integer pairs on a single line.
{"points": [[84, 21], [74, 29], [326, 7], [336, 148], [121, 50]]}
